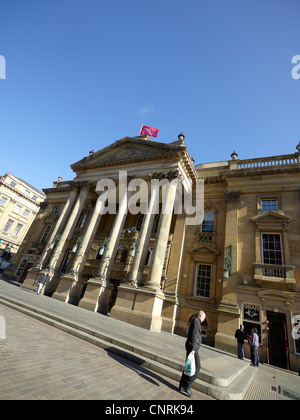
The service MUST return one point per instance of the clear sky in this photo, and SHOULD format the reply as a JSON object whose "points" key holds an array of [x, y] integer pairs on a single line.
{"points": [[81, 74]]}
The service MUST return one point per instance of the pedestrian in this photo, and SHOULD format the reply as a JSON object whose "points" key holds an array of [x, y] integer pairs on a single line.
{"points": [[254, 346], [192, 345], [42, 281], [240, 336]]}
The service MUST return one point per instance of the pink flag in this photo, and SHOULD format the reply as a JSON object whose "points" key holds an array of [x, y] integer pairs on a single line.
{"points": [[149, 130]]}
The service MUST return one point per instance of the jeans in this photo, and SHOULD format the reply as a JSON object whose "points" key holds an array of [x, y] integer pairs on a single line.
{"points": [[186, 381], [240, 350], [254, 356]]}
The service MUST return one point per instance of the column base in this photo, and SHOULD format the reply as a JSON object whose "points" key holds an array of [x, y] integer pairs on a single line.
{"points": [[97, 296], [228, 322], [69, 289], [141, 307], [31, 280]]}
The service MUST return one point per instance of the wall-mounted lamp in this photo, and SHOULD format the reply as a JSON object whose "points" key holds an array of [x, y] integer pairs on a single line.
{"points": [[228, 258]]}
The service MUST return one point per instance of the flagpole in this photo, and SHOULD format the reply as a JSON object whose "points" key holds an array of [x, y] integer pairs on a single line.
{"points": [[141, 129]]}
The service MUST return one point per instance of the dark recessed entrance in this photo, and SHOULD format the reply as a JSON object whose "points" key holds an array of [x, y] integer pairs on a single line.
{"points": [[278, 351]]}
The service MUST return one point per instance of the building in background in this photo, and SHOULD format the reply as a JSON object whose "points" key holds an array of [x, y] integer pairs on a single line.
{"points": [[241, 265], [19, 204]]}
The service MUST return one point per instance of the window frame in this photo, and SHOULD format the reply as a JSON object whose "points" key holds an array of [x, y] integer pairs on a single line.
{"points": [[268, 250], [196, 287]]}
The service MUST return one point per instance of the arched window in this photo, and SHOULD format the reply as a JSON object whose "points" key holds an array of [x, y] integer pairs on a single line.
{"points": [[155, 225], [82, 220], [148, 258], [208, 224], [139, 221], [122, 254]]}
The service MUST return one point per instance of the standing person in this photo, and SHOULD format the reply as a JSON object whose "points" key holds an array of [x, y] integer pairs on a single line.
{"points": [[240, 336], [42, 281], [254, 345], [192, 345]]}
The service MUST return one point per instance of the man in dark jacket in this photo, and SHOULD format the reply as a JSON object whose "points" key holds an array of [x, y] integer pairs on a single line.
{"points": [[240, 336], [192, 345]]}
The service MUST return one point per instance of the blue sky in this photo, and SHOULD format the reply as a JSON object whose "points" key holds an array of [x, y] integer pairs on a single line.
{"points": [[81, 74]]}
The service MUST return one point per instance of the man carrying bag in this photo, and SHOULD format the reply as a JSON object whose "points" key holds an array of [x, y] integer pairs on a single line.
{"points": [[192, 346]]}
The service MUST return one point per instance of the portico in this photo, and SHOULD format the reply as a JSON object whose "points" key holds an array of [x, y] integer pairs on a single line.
{"points": [[118, 261]]}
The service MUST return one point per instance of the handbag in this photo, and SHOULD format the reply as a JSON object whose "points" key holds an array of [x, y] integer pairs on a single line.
{"points": [[190, 365]]}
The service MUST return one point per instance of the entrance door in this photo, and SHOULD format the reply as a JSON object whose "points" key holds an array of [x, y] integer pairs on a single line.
{"points": [[277, 340], [24, 274]]}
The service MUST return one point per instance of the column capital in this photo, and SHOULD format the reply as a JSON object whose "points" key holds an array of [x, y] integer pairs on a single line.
{"points": [[232, 196], [172, 175]]}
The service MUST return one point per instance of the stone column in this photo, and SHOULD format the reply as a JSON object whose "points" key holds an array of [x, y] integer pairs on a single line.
{"points": [[98, 290], [143, 306], [60, 222], [146, 230], [73, 276], [68, 230], [229, 311], [162, 236], [89, 235], [59, 253], [115, 233]]}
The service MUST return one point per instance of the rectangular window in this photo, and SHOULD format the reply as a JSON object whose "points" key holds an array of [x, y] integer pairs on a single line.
{"points": [[65, 264], [8, 225], [17, 230], [20, 268], [203, 279], [56, 211], [271, 248], [3, 200], [17, 209], [269, 204], [45, 234], [13, 184], [26, 213]]}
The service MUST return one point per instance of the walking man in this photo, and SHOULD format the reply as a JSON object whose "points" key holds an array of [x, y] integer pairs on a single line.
{"points": [[193, 344], [42, 281]]}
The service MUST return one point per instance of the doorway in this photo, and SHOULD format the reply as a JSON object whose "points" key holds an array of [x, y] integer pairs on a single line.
{"points": [[25, 272], [277, 340]]}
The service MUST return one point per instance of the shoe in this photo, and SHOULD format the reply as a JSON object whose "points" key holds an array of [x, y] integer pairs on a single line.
{"points": [[188, 392]]}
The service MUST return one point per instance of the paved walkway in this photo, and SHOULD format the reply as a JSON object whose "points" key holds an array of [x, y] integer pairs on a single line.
{"points": [[41, 362], [222, 375]]}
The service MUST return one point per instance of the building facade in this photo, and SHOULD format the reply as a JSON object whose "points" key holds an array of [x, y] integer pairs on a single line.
{"points": [[19, 204], [240, 263]]}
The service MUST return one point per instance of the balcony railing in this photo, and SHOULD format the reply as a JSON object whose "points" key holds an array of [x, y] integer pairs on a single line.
{"points": [[207, 237], [266, 162], [274, 273]]}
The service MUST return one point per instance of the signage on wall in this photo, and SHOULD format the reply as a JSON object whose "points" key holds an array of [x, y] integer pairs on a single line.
{"points": [[251, 312]]}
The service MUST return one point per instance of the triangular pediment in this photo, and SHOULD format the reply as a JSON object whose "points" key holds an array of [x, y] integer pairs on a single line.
{"points": [[205, 249], [270, 217], [127, 150]]}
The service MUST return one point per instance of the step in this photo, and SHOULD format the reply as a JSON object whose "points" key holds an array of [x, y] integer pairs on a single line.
{"points": [[206, 383]]}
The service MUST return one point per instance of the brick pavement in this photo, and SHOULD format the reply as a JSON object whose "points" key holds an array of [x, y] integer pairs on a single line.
{"points": [[39, 362]]}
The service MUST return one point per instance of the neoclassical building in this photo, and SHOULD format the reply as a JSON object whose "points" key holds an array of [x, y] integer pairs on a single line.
{"points": [[19, 204], [240, 263]]}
